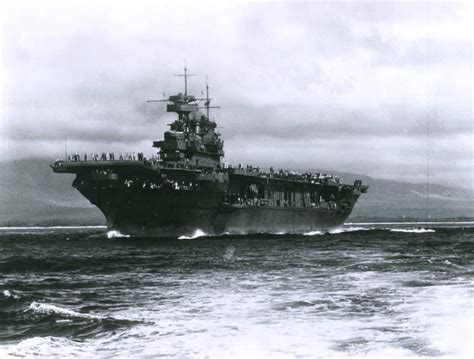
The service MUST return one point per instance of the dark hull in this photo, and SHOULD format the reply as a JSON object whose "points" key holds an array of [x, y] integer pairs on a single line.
{"points": [[280, 220], [176, 213], [240, 221]]}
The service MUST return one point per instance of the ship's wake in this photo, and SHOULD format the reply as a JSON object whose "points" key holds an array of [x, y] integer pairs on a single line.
{"points": [[339, 230]]}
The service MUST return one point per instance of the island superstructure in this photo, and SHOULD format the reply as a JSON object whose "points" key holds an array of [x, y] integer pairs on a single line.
{"points": [[187, 187]]}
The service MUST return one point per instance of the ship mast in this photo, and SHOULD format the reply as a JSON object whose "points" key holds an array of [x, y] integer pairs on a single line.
{"points": [[207, 104], [207, 99], [185, 75]]}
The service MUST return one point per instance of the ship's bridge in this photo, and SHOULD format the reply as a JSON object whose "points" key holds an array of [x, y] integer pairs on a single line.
{"points": [[192, 139], [182, 104]]}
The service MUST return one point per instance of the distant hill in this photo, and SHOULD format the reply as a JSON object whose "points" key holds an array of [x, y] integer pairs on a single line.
{"points": [[389, 200], [31, 194]]}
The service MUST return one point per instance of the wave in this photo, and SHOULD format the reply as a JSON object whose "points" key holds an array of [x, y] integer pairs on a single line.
{"points": [[448, 262], [49, 319], [197, 233], [412, 230], [349, 229], [43, 346], [45, 308], [116, 234]]}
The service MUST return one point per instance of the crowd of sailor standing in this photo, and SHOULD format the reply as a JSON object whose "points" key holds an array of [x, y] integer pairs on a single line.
{"points": [[131, 156], [250, 169]]}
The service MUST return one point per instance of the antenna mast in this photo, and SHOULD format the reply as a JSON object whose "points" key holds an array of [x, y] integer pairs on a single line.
{"points": [[207, 104], [207, 99], [185, 75]]}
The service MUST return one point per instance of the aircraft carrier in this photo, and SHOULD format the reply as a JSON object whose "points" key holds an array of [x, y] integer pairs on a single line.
{"points": [[186, 186]]}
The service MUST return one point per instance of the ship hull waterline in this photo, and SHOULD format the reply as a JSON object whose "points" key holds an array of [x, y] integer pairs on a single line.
{"points": [[174, 214]]}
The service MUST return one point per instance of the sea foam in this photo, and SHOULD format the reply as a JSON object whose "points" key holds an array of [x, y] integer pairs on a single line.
{"points": [[412, 230], [314, 233], [336, 231], [197, 233], [348, 229], [45, 308], [116, 234], [9, 294], [47, 346]]}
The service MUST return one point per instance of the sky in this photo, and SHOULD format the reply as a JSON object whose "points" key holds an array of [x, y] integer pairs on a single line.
{"points": [[375, 87]]}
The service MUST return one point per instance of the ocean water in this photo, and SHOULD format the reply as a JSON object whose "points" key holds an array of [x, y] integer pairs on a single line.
{"points": [[360, 291]]}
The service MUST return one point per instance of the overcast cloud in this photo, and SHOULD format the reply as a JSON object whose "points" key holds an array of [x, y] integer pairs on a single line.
{"points": [[380, 88]]}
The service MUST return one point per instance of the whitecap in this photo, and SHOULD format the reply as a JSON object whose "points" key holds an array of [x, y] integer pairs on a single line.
{"points": [[336, 231], [314, 233], [45, 308], [9, 294], [348, 229], [197, 233], [412, 230], [448, 262], [116, 234]]}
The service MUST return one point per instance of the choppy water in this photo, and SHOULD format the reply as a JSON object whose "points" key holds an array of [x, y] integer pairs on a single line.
{"points": [[352, 292]]}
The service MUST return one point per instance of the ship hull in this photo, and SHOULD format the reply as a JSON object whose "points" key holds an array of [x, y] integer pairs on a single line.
{"points": [[150, 213], [189, 221], [279, 220]]}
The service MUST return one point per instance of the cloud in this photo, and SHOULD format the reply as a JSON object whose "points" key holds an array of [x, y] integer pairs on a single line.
{"points": [[355, 86]]}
